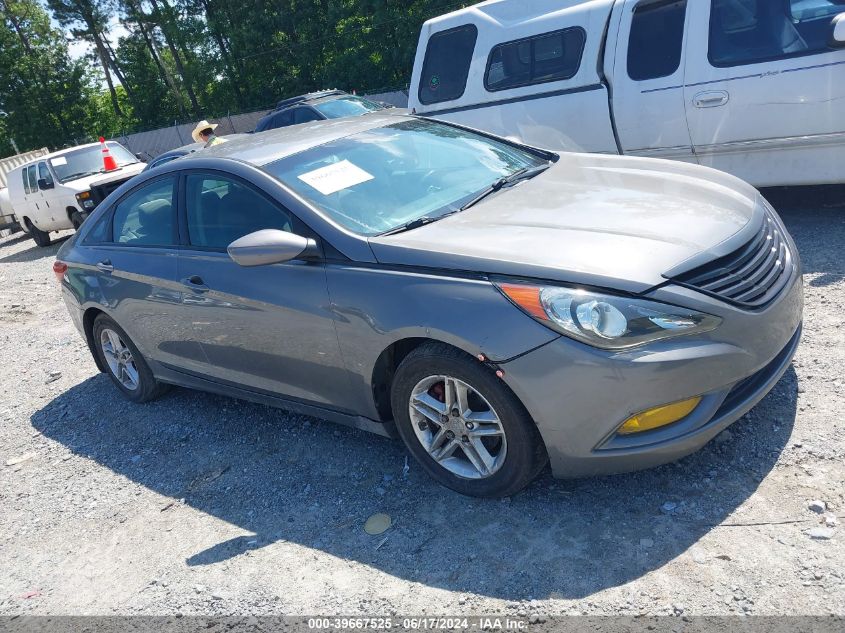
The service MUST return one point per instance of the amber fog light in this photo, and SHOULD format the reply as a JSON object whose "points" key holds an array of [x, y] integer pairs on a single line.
{"points": [[659, 416]]}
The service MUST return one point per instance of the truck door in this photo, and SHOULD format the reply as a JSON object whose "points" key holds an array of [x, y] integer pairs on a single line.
{"points": [[35, 207], [647, 77], [764, 91], [47, 188]]}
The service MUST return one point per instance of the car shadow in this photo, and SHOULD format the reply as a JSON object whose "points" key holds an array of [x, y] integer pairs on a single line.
{"points": [[14, 239], [34, 253], [284, 477]]}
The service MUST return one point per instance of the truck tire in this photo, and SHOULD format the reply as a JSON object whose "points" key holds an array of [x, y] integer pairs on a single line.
{"points": [[76, 219], [41, 238]]}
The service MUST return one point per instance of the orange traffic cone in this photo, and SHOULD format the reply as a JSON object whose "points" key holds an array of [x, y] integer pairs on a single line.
{"points": [[109, 163]]}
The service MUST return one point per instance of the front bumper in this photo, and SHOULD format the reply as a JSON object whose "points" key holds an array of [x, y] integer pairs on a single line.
{"points": [[579, 396]]}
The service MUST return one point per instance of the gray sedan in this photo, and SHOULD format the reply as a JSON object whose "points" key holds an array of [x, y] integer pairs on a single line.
{"points": [[498, 307]]}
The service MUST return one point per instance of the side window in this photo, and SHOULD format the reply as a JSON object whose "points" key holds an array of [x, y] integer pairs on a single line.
{"points": [[656, 40], [752, 31], [305, 115], [25, 180], [145, 217], [282, 119], [549, 57], [44, 173], [221, 210], [99, 233], [446, 66], [32, 176]]}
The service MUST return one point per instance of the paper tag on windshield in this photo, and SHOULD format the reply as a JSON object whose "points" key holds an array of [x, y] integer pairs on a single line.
{"points": [[333, 178], [59, 161]]}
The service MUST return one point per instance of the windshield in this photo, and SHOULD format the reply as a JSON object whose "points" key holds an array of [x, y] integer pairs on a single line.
{"points": [[347, 106], [375, 181], [89, 161]]}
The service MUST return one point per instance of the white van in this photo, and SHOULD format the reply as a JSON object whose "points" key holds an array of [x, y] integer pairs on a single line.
{"points": [[752, 87], [7, 216], [59, 190]]}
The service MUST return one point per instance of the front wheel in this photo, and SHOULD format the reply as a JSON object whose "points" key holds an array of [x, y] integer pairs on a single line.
{"points": [[76, 220], [41, 238], [463, 424], [125, 365]]}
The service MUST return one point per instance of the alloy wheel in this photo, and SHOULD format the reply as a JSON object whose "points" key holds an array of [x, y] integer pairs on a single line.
{"points": [[458, 427], [119, 359]]}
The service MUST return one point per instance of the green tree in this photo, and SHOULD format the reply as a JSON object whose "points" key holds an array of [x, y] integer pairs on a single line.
{"points": [[42, 90], [88, 21]]}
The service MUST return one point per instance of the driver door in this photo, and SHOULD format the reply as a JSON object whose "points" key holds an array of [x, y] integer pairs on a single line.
{"points": [[266, 328]]}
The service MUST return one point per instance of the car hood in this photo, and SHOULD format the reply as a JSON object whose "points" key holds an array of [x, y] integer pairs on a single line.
{"points": [[124, 173], [603, 220]]}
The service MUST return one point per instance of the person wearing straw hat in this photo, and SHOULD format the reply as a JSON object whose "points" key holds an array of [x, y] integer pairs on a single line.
{"points": [[204, 133]]}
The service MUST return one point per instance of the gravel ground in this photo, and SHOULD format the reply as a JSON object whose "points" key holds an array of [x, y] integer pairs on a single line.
{"points": [[199, 504]]}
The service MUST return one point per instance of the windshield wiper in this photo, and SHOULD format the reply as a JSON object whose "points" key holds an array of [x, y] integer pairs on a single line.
{"points": [[82, 174], [417, 223], [522, 174]]}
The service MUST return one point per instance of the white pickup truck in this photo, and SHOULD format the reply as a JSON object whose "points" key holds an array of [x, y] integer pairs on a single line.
{"points": [[755, 88], [59, 190]]}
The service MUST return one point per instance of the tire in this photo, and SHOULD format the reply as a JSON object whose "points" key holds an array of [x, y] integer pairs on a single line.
{"points": [[515, 453], [41, 238], [76, 219], [124, 363]]}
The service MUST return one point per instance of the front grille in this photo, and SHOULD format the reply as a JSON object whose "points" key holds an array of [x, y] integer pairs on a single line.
{"points": [[751, 276], [102, 191]]}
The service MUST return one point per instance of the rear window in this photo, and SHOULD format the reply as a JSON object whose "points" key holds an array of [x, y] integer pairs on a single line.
{"points": [[446, 66], [535, 60], [347, 106], [657, 38]]}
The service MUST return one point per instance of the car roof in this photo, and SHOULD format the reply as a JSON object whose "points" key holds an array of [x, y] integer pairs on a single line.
{"points": [[262, 148], [310, 97], [508, 14]]}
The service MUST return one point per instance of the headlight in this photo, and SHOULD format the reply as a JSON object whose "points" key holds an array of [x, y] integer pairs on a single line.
{"points": [[606, 321], [85, 200]]}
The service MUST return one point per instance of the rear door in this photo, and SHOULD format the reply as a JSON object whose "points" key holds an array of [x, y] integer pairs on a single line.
{"points": [[648, 79], [267, 328], [133, 254], [764, 91]]}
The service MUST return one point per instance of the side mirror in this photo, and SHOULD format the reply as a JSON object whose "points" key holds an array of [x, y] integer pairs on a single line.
{"points": [[837, 32], [271, 246], [142, 156], [44, 184]]}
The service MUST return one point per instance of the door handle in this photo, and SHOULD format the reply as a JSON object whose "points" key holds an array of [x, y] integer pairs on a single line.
{"points": [[711, 99], [105, 266], [195, 282]]}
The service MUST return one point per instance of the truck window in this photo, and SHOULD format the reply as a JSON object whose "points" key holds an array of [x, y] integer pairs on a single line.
{"points": [[33, 179], [44, 173], [656, 40], [540, 59], [25, 180], [446, 66], [753, 31]]}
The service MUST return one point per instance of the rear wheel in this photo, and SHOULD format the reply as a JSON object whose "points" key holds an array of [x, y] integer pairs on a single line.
{"points": [[41, 238], [125, 364], [463, 424]]}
